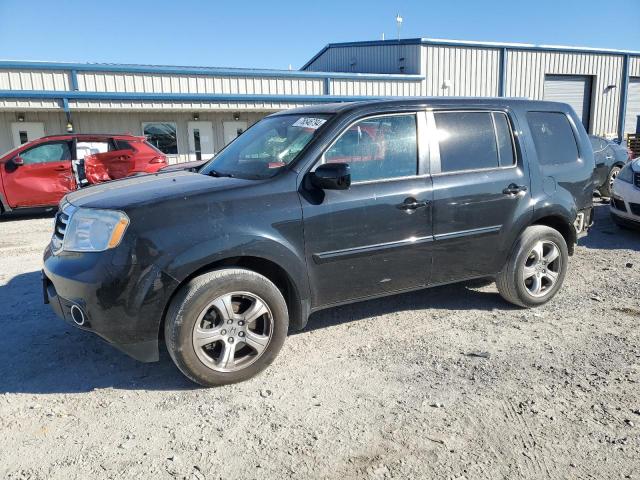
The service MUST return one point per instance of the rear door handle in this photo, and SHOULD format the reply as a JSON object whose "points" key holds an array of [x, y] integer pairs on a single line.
{"points": [[412, 204], [61, 169], [514, 189]]}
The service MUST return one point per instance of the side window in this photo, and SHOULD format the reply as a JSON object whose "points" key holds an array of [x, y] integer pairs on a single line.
{"points": [[49, 152], [378, 148], [122, 145], [553, 138], [504, 137], [468, 141]]}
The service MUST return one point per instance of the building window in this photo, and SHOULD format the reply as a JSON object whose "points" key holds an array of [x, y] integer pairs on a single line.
{"points": [[162, 135]]}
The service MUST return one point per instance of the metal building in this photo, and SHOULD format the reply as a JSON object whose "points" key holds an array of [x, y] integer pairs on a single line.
{"points": [[198, 110]]}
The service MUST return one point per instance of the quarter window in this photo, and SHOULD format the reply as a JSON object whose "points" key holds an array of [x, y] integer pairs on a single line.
{"points": [[378, 148], [162, 135], [49, 152], [553, 138]]}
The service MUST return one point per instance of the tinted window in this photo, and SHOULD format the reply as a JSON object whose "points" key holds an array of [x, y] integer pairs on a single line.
{"points": [[123, 145], [505, 140], [553, 137], [49, 152], [467, 141], [162, 135], [378, 148]]}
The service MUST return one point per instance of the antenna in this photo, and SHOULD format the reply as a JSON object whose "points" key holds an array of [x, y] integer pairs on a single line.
{"points": [[399, 24]]}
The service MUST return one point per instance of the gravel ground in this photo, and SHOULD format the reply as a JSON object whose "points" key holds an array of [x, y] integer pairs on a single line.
{"points": [[381, 389]]}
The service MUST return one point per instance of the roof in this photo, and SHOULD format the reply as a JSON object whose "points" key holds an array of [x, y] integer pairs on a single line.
{"points": [[469, 43], [399, 102]]}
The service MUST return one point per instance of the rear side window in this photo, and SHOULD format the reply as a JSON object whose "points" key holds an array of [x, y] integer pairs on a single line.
{"points": [[123, 145], [474, 140], [553, 138]]}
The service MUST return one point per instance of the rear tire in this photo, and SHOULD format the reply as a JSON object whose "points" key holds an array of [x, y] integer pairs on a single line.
{"points": [[535, 269], [226, 326], [605, 190]]}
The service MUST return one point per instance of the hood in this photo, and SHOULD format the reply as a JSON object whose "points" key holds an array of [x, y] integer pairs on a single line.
{"points": [[190, 166], [136, 191]]}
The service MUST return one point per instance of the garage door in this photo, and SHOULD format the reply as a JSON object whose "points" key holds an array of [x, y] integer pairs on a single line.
{"points": [[632, 119], [574, 90]]}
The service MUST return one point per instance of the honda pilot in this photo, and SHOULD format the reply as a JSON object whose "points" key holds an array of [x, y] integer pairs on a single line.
{"points": [[321, 206]]}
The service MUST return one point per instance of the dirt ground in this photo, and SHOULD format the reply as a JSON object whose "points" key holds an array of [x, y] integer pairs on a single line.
{"points": [[381, 389]]}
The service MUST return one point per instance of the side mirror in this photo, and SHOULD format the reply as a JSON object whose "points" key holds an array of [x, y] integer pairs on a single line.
{"points": [[17, 161], [332, 176]]}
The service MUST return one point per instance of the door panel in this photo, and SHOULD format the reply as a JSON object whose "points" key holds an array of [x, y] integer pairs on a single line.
{"points": [[376, 236], [23, 132], [102, 167], [201, 143], [477, 207], [231, 130], [44, 179]]}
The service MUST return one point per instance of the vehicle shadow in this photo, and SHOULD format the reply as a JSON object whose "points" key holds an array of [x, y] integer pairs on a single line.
{"points": [[606, 235], [41, 354], [27, 215], [458, 296]]}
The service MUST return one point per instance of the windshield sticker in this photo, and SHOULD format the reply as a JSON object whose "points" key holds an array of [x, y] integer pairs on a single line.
{"points": [[309, 122]]}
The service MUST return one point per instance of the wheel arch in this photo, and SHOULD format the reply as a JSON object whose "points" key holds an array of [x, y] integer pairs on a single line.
{"points": [[297, 306], [563, 226]]}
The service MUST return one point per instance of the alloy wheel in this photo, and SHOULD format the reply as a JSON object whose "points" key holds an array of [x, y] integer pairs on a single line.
{"points": [[542, 268], [232, 331]]}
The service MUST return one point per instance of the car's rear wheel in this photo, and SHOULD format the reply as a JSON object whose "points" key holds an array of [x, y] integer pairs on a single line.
{"points": [[606, 189], [226, 326], [535, 269]]}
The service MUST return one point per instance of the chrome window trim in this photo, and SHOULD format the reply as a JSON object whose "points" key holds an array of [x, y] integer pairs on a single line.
{"points": [[416, 114], [436, 165]]}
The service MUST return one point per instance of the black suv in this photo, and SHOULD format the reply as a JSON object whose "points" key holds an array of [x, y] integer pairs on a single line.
{"points": [[316, 207]]}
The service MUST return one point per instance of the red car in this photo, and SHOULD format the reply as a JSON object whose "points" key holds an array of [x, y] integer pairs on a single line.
{"points": [[39, 173]]}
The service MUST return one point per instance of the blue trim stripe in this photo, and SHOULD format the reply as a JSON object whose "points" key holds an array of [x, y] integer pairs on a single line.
{"points": [[181, 97], [228, 72]]}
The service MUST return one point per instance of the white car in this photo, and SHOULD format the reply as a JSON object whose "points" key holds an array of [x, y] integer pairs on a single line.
{"points": [[625, 198]]}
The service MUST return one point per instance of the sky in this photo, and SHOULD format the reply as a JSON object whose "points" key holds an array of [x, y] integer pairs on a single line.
{"points": [[277, 34]]}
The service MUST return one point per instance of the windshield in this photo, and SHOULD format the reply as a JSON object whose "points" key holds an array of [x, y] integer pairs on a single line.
{"points": [[266, 147]]}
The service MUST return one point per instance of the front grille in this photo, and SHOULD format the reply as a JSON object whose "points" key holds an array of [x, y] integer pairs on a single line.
{"points": [[635, 208], [636, 179], [618, 204], [60, 227]]}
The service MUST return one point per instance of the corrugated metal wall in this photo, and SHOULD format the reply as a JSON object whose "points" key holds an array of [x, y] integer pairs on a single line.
{"points": [[376, 88], [193, 84], [54, 122], [526, 70], [634, 66], [631, 121], [139, 106], [34, 80], [369, 59], [466, 71]]}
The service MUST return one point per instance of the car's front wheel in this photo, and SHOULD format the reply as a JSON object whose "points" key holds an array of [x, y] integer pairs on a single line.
{"points": [[605, 190], [536, 268], [226, 326]]}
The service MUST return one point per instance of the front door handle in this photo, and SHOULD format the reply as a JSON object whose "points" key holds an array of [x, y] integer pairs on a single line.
{"points": [[514, 189], [411, 204]]}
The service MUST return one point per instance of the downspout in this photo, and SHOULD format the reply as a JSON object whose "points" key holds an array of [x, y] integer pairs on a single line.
{"points": [[623, 96], [502, 81]]}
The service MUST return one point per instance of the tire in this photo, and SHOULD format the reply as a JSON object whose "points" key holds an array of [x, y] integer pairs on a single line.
{"points": [[605, 190], [526, 280], [213, 347]]}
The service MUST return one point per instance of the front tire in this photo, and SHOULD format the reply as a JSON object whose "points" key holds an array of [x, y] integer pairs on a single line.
{"points": [[226, 326], [605, 190], [536, 268]]}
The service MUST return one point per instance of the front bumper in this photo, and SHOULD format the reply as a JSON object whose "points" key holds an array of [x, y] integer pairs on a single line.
{"points": [[625, 203], [122, 304]]}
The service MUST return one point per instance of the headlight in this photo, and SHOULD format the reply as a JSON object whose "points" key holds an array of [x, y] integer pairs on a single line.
{"points": [[93, 230], [626, 174]]}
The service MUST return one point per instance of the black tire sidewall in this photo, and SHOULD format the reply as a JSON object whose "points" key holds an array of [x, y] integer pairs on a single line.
{"points": [[200, 292], [525, 247], [605, 190]]}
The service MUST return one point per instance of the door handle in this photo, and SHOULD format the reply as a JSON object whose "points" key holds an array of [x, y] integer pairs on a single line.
{"points": [[61, 169], [124, 157], [514, 189], [411, 204]]}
